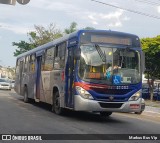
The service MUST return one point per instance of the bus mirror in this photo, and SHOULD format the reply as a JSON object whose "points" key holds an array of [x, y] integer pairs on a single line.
{"points": [[77, 54]]}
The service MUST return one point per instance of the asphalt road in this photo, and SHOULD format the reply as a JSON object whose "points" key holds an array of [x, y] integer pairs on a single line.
{"points": [[17, 117]]}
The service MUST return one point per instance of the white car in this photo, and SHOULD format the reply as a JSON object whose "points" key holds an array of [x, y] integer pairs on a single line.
{"points": [[5, 84]]}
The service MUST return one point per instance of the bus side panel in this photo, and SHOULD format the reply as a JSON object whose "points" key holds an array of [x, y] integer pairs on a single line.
{"points": [[58, 80], [30, 85], [45, 89], [49, 80]]}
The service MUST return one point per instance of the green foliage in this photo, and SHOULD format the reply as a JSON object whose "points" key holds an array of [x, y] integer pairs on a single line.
{"points": [[151, 47], [40, 36], [22, 47], [89, 28], [72, 28], [43, 35]]}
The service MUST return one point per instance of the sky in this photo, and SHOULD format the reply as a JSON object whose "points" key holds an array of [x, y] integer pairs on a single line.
{"points": [[16, 21]]}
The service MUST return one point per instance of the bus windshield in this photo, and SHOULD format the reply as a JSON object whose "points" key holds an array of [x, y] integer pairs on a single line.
{"points": [[109, 64]]}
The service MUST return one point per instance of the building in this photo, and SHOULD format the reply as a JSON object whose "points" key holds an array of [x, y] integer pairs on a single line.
{"points": [[7, 72]]}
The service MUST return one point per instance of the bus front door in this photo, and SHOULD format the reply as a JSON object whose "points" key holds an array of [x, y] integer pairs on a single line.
{"points": [[69, 100], [38, 76]]}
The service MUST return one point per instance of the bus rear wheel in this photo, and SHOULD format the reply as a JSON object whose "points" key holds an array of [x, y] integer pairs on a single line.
{"points": [[26, 100], [56, 104], [105, 114]]}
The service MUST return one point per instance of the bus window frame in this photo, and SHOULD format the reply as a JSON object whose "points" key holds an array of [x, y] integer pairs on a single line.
{"points": [[59, 53], [44, 59]]}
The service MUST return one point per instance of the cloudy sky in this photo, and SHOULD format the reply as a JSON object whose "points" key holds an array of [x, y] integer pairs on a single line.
{"points": [[16, 21]]}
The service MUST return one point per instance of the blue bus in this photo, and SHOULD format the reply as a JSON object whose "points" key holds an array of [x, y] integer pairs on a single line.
{"points": [[87, 70]]}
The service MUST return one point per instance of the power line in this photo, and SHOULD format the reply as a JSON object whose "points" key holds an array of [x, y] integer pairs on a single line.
{"points": [[130, 10], [149, 2]]}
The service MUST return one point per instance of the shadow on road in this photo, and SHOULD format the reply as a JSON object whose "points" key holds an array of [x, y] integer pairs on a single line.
{"points": [[72, 115]]}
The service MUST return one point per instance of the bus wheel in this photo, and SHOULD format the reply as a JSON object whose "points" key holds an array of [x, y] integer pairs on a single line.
{"points": [[25, 95], [56, 104], [139, 113], [105, 114]]}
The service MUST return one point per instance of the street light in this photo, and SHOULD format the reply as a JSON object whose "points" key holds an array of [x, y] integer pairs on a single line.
{"points": [[13, 2]]}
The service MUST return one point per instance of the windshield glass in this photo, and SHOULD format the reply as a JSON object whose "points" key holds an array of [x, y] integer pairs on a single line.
{"points": [[109, 64]]}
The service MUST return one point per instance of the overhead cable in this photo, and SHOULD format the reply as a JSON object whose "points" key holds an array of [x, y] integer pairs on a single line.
{"points": [[149, 2], [130, 10]]}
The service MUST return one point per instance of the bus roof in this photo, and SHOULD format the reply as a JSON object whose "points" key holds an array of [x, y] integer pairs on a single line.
{"points": [[70, 36]]}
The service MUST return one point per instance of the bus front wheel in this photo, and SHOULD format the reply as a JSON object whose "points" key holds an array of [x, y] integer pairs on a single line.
{"points": [[105, 114], [56, 104]]}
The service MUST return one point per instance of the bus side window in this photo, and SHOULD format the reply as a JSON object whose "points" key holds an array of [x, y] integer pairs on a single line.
{"points": [[32, 63], [60, 51], [17, 67], [25, 68], [48, 59]]}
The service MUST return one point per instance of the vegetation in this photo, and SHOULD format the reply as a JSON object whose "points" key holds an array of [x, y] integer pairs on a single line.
{"points": [[42, 35], [151, 47], [72, 28]]}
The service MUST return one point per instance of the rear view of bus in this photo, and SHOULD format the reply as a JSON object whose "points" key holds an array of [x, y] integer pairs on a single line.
{"points": [[108, 75]]}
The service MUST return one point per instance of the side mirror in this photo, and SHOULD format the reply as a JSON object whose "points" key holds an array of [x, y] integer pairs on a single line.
{"points": [[77, 54]]}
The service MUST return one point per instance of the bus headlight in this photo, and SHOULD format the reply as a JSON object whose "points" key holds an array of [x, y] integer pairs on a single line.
{"points": [[136, 96], [83, 93]]}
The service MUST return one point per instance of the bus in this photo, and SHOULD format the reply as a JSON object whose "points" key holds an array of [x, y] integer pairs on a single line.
{"points": [[87, 70]]}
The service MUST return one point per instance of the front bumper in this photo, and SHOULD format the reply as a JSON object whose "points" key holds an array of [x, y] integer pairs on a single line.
{"points": [[81, 104]]}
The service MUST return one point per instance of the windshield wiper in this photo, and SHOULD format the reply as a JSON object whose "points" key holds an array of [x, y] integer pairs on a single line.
{"points": [[100, 52]]}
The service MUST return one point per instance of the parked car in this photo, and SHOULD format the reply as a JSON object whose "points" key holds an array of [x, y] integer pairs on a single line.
{"points": [[156, 94], [5, 84], [145, 93]]}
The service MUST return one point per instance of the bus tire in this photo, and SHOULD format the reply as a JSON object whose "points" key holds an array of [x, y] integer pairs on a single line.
{"points": [[56, 104], [105, 114], [26, 100], [139, 113]]}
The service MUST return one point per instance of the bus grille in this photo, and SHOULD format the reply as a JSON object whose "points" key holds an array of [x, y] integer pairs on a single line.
{"points": [[113, 91], [116, 99], [110, 105]]}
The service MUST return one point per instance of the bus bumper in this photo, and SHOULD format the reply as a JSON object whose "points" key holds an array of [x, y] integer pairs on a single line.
{"points": [[81, 104]]}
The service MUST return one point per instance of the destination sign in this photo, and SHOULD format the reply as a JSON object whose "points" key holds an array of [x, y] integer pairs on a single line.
{"points": [[110, 40]]}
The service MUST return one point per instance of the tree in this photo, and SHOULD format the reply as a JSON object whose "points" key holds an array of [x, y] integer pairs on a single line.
{"points": [[151, 47], [72, 28], [40, 36], [22, 47], [89, 28], [43, 35]]}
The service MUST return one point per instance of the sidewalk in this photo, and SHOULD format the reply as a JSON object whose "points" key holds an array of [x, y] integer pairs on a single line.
{"points": [[152, 106]]}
